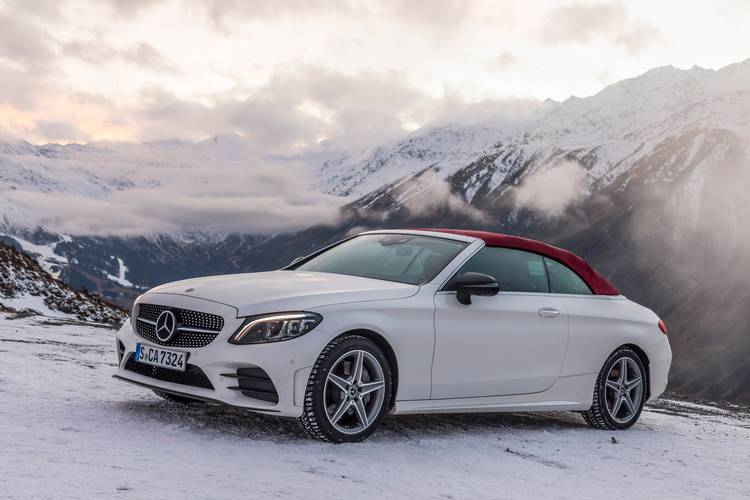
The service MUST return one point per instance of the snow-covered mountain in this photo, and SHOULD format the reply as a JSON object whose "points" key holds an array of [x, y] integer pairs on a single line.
{"points": [[450, 147], [25, 286], [607, 134]]}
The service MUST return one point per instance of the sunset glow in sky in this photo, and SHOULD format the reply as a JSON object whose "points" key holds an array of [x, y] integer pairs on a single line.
{"points": [[291, 73]]}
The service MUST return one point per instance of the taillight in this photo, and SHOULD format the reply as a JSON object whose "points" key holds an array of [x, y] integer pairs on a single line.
{"points": [[663, 328]]}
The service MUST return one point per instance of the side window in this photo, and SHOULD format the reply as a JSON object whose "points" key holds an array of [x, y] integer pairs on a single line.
{"points": [[563, 280], [514, 270]]}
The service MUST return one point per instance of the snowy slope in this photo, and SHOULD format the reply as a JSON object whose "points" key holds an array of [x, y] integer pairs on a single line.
{"points": [[45, 252], [70, 431], [450, 148], [25, 286]]}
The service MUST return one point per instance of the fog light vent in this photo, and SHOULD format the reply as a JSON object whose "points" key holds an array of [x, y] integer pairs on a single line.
{"points": [[254, 382]]}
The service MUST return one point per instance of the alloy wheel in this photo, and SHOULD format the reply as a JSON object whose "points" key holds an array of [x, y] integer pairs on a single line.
{"points": [[624, 390], [354, 392]]}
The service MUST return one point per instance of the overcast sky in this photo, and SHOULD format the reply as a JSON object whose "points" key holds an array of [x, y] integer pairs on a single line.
{"points": [[291, 73]]}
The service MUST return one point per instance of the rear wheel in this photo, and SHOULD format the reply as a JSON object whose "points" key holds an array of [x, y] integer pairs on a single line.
{"points": [[619, 393], [348, 391]]}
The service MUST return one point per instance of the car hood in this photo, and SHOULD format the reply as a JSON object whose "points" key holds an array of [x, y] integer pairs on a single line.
{"points": [[276, 291]]}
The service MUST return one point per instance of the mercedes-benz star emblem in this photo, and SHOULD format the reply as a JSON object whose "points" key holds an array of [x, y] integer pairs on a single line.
{"points": [[166, 325]]}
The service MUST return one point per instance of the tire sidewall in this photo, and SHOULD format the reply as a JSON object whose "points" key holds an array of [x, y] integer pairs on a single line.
{"points": [[602, 387], [318, 380]]}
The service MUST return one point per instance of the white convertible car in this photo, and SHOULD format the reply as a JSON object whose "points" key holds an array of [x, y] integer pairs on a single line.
{"points": [[402, 321]]}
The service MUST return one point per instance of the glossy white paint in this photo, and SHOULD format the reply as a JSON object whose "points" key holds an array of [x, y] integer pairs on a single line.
{"points": [[497, 354], [513, 350], [260, 293]]}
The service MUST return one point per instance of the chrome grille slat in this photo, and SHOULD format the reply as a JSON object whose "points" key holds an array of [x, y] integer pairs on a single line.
{"points": [[195, 328]]}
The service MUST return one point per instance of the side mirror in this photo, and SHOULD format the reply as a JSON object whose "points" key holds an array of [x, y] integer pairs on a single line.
{"points": [[468, 284]]}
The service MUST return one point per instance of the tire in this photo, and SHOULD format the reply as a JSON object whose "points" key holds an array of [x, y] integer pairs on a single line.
{"points": [[176, 399], [606, 412], [335, 398]]}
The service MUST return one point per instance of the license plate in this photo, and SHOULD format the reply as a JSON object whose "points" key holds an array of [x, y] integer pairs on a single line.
{"points": [[164, 358]]}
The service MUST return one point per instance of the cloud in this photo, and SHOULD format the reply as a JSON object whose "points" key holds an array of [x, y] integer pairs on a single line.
{"points": [[438, 15], [580, 22], [296, 108], [171, 188], [20, 89], [142, 54], [639, 38], [429, 192], [435, 15], [59, 131], [585, 22], [505, 60], [39, 9], [24, 44], [147, 211], [224, 13], [550, 189], [130, 8]]}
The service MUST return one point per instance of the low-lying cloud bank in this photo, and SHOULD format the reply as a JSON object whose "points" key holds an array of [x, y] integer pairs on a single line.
{"points": [[126, 193], [550, 189], [143, 211]]}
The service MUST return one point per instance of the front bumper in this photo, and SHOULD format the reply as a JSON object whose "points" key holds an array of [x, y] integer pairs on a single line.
{"points": [[288, 364]]}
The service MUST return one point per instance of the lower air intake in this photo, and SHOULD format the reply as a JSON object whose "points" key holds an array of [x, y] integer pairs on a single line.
{"points": [[192, 376], [255, 383]]}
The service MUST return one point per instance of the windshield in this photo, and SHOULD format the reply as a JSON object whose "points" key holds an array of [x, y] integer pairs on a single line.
{"points": [[404, 258]]}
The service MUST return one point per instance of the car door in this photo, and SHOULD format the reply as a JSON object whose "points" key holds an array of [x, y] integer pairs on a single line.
{"points": [[511, 343]]}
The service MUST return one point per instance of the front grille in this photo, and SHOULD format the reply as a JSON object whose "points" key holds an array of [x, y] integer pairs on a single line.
{"points": [[192, 375], [209, 325], [186, 317], [254, 382]]}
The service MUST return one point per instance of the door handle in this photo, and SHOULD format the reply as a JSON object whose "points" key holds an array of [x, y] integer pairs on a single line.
{"points": [[548, 312]]}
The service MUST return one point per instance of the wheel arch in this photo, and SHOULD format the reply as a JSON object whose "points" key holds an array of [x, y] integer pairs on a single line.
{"points": [[385, 346], [644, 359]]}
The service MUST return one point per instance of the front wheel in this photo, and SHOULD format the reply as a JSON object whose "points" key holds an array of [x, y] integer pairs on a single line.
{"points": [[619, 393], [348, 391]]}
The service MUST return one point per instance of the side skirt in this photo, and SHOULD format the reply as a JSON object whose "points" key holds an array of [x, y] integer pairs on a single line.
{"points": [[572, 393]]}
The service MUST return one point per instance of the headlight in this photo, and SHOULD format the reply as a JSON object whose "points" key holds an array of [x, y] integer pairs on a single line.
{"points": [[275, 327]]}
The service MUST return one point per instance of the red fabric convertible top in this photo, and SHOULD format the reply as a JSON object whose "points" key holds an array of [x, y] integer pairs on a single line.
{"points": [[598, 283]]}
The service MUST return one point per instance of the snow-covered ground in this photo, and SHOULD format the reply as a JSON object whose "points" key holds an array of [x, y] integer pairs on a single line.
{"points": [[68, 430]]}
